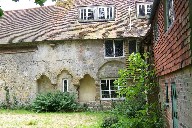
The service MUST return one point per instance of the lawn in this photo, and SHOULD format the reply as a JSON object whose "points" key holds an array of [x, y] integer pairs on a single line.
{"points": [[28, 119]]}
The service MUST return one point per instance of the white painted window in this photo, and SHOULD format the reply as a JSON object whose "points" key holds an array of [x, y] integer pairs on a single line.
{"points": [[96, 13], [144, 10], [108, 89], [65, 85], [114, 48]]}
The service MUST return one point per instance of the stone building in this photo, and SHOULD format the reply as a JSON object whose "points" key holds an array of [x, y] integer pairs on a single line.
{"points": [[76, 46], [171, 26]]}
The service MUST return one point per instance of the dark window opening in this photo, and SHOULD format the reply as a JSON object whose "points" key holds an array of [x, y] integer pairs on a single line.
{"points": [[118, 48], [141, 10], [90, 14], [167, 93], [132, 46], [109, 48]]}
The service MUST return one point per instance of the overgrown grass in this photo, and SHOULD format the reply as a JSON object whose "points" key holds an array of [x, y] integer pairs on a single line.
{"points": [[28, 119]]}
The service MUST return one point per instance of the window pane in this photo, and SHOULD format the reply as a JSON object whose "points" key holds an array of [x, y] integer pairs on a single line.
{"points": [[149, 7], [104, 85], [109, 48], [141, 10], [84, 12], [109, 13], [132, 46], [65, 85], [105, 94], [114, 94], [101, 13], [90, 14], [112, 86], [118, 48]]}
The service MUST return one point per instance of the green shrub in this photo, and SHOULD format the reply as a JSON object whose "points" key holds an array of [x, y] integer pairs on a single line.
{"points": [[55, 102], [109, 122]]}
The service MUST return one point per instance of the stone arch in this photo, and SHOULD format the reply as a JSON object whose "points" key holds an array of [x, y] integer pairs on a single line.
{"points": [[110, 69], [44, 84], [87, 89], [65, 75]]}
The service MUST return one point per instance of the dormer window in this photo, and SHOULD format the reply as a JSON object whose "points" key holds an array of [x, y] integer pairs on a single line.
{"points": [[144, 9], [96, 13]]}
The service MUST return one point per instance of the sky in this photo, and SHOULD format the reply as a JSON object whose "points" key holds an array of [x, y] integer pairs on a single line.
{"points": [[22, 4]]}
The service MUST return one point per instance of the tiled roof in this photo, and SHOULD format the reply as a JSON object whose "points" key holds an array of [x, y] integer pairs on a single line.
{"points": [[61, 23]]}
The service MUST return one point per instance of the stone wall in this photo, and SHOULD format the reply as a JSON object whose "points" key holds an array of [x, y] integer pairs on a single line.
{"points": [[27, 71], [183, 81]]}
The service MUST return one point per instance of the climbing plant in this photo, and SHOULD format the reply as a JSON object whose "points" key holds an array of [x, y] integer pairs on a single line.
{"points": [[137, 84]]}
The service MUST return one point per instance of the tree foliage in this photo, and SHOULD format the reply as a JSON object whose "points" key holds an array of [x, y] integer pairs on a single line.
{"points": [[39, 2]]}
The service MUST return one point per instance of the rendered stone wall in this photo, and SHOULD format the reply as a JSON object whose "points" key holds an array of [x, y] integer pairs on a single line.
{"points": [[23, 71], [183, 81]]}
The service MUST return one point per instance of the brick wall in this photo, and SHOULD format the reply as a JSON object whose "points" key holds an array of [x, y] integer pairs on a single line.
{"points": [[172, 58], [183, 81], [172, 49]]}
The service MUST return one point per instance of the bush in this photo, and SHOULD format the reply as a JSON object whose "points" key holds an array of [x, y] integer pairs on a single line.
{"points": [[109, 122], [55, 102]]}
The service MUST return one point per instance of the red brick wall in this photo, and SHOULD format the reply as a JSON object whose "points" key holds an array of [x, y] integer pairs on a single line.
{"points": [[172, 49]]}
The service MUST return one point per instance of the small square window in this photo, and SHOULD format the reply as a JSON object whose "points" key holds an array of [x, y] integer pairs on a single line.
{"points": [[108, 89], [144, 10]]}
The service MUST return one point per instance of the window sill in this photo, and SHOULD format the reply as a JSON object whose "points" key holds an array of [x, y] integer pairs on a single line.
{"points": [[114, 57], [143, 17], [109, 99], [102, 20]]}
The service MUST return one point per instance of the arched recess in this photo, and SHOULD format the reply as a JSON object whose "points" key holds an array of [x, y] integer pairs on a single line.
{"points": [[110, 69], [87, 89], [44, 84], [65, 75]]}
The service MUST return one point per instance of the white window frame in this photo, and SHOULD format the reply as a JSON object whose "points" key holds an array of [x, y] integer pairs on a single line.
{"points": [[145, 5], [64, 85], [96, 13], [113, 50], [118, 88]]}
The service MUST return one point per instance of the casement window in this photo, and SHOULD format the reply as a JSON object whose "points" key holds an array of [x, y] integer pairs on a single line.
{"points": [[169, 13], [108, 89], [132, 46], [156, 31], [144, 10], [114, 48], [96, 13], [65, 85]]}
